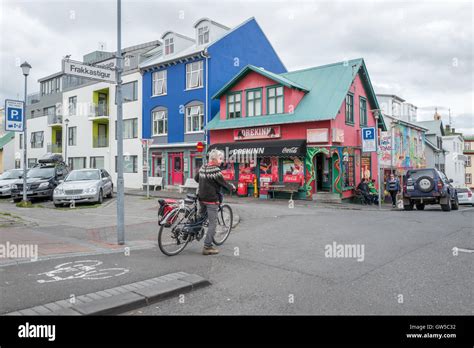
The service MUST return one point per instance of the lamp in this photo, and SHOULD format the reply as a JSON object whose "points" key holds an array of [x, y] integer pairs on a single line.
{"points": [[25, 67]]}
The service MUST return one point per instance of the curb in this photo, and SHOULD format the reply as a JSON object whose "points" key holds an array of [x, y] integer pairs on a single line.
{"points": [[122, 298]]}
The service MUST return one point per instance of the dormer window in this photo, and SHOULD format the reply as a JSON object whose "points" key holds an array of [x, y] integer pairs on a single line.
{"points": [[169, 46], [203, 35]]}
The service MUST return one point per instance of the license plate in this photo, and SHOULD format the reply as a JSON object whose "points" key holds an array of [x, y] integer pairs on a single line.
{"points": [[74, 197], [410, 187]]}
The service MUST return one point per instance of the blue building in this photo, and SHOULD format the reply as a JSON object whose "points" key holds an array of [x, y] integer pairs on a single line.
{"points": [[179, 81]]}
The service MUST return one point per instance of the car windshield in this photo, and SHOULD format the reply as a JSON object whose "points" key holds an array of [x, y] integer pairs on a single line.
{"points": [[419, 173], [77, 175], [40, 173], [11, 174]]}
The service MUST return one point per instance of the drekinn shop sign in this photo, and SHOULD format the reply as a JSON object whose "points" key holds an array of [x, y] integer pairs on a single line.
{"points": [[257, 133], [101, 73]]}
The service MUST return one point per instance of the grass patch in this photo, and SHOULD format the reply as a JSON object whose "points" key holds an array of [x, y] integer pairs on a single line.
{"points": [[79, 207], [25, 204]]}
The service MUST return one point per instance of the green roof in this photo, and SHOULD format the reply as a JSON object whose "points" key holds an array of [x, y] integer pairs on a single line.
{"points": [[327, 87], [272, 76], [6, 139], [468, 137]]}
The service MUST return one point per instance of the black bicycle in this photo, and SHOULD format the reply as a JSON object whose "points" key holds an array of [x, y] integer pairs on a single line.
{"points": [[184, 224]]}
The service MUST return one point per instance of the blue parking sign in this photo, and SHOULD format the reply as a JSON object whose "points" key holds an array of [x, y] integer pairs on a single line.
{"points": [[14, 115], [369, 142]]}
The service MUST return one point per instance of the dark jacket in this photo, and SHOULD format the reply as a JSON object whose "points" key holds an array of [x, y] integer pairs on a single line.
{"points": [[210, 181], [363, 187]]}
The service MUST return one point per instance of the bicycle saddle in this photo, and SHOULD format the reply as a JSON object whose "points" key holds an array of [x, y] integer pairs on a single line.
{"points": [[191, 196]]}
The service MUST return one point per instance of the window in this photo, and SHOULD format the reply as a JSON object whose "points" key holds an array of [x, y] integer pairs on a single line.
{"points": [[72, 105], [32, 113], [17, 164], [468, 161], [159, 82], [129, 164], [21, 141], [254, 102], [468, 178], [76, 162], [72, 136], [169, 46], [275, 100], [203, 35], [160, 122], [234, 105], [97, 162], [194, 73], [130, 129], [467, 146], [129, 91], [350, 109], [36, 140], [363, 111], [100, 136], [51, 111], [31, 162], [194, 118]]}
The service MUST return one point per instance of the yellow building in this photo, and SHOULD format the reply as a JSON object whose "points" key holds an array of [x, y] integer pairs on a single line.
{"points": [[469, 152]]}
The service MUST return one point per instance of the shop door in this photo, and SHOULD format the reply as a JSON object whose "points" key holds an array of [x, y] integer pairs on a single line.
{"points": [[176, 168]]}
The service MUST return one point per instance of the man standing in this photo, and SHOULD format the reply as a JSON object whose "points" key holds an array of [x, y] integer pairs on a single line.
{"points": [[393, 187], [211, 181]]}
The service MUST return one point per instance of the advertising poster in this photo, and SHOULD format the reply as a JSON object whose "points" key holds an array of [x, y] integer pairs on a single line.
{"points": [[292, 170], [246, 172], [228, 172], [365, 167]]}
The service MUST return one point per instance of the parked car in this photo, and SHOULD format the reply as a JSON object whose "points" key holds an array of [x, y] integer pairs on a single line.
{"points": [[428, 186], [42, 179], [84, 185], [7, 179], [465, 196]]}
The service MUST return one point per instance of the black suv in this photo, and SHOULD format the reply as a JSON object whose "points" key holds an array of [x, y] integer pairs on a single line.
{"points": [[42, 179], [428, 186]]}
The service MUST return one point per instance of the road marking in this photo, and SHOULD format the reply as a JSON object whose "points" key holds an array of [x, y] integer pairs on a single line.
{"points": [[85, 269], [456, 249]]}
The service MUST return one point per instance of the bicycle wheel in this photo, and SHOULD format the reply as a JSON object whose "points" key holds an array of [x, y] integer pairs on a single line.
{"points": [[224, 224], [171, 240]]}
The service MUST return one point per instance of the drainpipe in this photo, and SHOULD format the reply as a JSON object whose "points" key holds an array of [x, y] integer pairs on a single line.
{"points": [[205, 55]]}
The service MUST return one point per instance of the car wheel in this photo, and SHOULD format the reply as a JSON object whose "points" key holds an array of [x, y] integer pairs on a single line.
{"points": [[455, 205], [101, 197], [420, 206], [408, 207], [447, 206], [111, 194]]}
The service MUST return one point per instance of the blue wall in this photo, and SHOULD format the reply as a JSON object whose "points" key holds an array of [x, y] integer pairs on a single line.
{"points": [[245, 45]]}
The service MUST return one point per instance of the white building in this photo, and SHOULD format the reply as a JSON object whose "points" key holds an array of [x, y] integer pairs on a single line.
{"points": [[397, 107], [82, 124], [455, 159]]}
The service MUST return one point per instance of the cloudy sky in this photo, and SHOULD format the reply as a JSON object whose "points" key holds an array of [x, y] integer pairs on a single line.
{"points": [[421, 51]]}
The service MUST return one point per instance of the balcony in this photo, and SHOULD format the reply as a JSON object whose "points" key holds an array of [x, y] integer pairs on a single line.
{"points": [[55, 120], [54, 148], [99, 112], [100, 142]]}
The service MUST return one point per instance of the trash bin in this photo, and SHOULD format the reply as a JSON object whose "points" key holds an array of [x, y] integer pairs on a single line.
{"points": [[242, 189]]}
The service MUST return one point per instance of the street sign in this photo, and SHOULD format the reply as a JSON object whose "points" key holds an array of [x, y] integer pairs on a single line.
{"points": [[199, 147], [94, 72], [14, 115], [147, 142], [369, 139]]}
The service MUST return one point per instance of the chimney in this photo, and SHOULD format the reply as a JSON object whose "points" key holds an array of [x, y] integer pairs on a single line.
{"points": [[452, 130], [448, 129]]}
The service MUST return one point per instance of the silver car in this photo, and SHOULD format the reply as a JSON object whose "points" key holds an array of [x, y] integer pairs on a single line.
{"points": [[465, 196], [7, 179], [84, 185]]}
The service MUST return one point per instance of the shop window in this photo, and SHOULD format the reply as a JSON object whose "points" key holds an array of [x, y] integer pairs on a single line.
{"points": [[157, 165], [293, 170], [349, 173], [246, 172], [228, 172]]}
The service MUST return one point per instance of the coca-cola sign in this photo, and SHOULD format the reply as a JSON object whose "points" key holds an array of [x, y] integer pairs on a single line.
{"points": [[292, 150], [268, 132]]}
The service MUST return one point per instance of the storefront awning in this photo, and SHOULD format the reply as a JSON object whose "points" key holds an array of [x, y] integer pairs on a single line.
{"points": [[280, 148]]}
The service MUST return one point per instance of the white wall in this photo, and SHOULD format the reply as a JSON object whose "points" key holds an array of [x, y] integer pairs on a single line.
{"points": [[9, 156], [84, 148], [454, 164]]}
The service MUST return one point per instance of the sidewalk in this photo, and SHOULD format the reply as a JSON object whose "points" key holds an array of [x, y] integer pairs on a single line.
{"points": [[242, 200]]}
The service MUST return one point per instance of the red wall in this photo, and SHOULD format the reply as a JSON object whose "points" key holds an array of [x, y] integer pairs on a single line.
{"points": [[254, 80]]}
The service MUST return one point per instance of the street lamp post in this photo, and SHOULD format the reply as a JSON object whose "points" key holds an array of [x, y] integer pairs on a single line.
{"points": [[25, 67], [376, 115], [66, 121]]}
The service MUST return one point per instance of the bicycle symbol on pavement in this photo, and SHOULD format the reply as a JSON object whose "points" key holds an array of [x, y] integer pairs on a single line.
{"points": [[86, 269]]}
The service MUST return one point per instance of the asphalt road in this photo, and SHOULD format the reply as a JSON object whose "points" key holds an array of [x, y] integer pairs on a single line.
{"points": [[275, 262]]}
